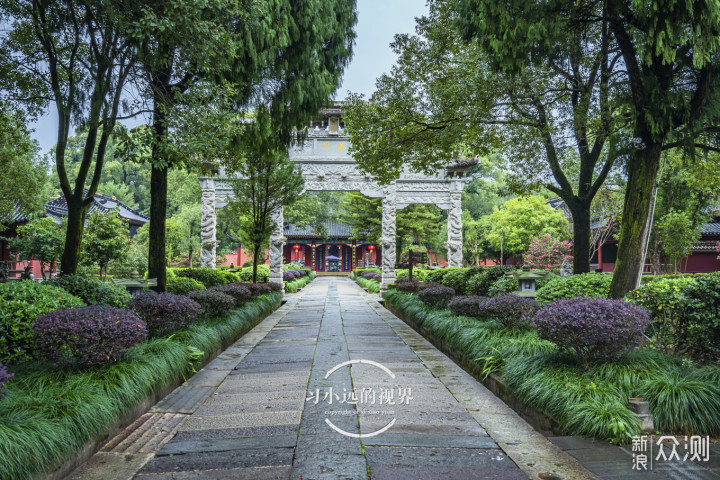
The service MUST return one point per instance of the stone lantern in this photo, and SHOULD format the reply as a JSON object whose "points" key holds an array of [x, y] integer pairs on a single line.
{"points": [[527, 281]]}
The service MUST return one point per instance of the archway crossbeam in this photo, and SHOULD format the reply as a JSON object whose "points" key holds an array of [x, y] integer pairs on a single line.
{"points": [[327, 166]]}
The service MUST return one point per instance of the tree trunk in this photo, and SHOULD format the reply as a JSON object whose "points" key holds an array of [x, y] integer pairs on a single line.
{"points": [[581, 238], [256, 255], [73, 235], [642, 172], [158, 208]]}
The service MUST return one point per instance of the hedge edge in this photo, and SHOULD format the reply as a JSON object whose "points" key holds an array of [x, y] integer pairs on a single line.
{"points": [[258, 309], [538, 419]]}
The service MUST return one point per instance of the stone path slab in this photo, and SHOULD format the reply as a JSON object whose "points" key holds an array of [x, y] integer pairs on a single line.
{"points": [[332, 386]]}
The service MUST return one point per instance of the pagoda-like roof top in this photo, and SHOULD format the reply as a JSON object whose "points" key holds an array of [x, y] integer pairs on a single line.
{"points": [[335, 230]]}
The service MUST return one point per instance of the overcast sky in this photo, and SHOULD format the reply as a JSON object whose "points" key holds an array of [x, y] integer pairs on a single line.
{"points": [[378, 22]]}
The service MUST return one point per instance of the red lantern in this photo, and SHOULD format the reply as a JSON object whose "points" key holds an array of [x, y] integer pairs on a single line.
{"points": [[296, 247], [371, 248]]}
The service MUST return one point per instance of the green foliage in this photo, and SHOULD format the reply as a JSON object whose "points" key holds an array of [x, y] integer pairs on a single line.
{"points": [[503, 286], [703, 313], [297, 284], [106, 240], [41, 239], [183, 285], [585, 285], [419, 274], [23, 189], [20, 303], [677, 235], [50, 415], [207, 276], [436, 275], [246, 273], [92, 291], [370, 285], [681, 403], [457, 278], [480, 283], [519, 219]]}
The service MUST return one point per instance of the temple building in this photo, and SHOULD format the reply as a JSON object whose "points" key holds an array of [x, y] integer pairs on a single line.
{"points": [[338, 253]]}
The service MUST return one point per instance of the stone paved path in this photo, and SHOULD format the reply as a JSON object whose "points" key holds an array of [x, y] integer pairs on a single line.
{"points": [[261, 410]]}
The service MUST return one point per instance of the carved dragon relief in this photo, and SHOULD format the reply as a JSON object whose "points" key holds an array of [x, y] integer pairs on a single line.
{"points": [[208, 221]]}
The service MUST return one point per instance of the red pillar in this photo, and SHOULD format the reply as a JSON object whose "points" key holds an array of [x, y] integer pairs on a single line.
{"points": [[600, 257]]}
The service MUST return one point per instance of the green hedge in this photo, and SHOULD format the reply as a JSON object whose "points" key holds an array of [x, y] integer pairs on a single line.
{"points": [[370, 285], [50, 414], [585, 401], [298, 283]]}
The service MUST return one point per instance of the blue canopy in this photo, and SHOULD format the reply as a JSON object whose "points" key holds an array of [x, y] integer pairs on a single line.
{"points": [[332, 258]]}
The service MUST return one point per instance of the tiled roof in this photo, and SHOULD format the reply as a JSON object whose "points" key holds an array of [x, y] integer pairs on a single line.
{"points": [[711, 228], [57, 208], [335, 230]]}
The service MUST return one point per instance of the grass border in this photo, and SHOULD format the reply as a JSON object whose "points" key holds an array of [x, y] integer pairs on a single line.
{"points": [[52, 419], [370, 285], [298, 283]]}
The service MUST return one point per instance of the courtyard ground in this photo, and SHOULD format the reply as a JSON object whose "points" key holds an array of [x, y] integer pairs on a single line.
{"points": [[278, 404]]}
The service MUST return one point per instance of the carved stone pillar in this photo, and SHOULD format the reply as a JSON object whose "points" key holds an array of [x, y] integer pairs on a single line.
{"points": [[208, 223], [454, 242], [388, 236], [277, 241]]}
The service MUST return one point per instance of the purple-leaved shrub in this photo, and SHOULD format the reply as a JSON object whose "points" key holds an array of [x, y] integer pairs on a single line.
{"points": [[406, 285], [87, 336], [510, 310], [436, 297], [213, 302], [165, 312], [594, 328], [238, 291], [468, 306]]}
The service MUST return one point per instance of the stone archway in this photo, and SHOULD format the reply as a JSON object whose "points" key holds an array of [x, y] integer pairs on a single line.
{"points": [[327, 166]]}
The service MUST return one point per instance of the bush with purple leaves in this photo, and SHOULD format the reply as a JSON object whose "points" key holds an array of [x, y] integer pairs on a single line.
{"points": [[237, 290], [436, 297], [468, 306], [510, 310], [87, 336], [165, 312], [594, 328], [290, 275], [406, 285], [4, 375], [371, 276], [213, 302]]}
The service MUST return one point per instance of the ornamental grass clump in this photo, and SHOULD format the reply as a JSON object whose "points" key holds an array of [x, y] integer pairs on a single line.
{"points": [[468, 306], [511, 311], [4, 376], [87, 336], [238, 291], [183, 285], [214, 303], [436, 297], [165, 312], [593, 328]]}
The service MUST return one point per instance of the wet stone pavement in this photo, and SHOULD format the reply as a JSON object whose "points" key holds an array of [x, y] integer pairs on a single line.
{"points": [[281, 404]]}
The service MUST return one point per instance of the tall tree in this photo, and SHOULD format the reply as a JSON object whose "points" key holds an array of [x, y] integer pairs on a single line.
{"points": [[287, 56], [22, 190], [75, 55], [519, 219], [667, 59], [445, 95], [268, 181]]}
